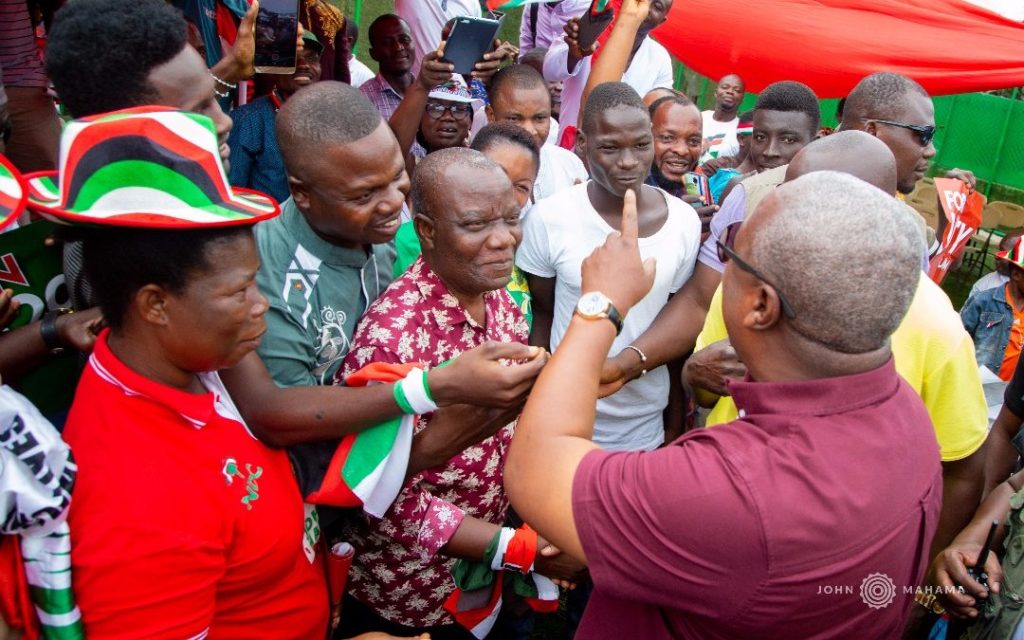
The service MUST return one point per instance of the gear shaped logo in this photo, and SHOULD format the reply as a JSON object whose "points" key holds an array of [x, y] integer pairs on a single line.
{"points": [[877, 590]]}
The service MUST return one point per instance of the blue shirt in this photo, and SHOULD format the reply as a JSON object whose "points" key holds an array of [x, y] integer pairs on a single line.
{"points": [[256, 161]]}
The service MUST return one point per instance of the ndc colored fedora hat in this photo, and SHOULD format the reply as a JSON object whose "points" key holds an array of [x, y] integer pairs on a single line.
{"points": [[148, 167], [13, 193]]}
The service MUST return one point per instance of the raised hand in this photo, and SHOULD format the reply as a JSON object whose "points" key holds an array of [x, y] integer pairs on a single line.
{"points": [[615, 268], [492, 60], [8, 308], [243, 54], [572, 35], [434, 70]]}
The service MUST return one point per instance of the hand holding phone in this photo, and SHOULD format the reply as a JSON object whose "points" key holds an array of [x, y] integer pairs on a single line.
{"points": [[593, 22], [277, 33]]}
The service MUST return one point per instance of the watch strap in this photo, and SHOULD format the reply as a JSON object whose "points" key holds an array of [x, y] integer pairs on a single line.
{"points": [[615, 317], [48, 331]]}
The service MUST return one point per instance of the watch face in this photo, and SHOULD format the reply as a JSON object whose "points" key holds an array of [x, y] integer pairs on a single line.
{"points": [[592, 304]]}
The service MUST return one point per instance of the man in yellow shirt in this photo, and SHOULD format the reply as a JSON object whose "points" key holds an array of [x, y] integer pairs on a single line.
{"points": [[931, 349]]}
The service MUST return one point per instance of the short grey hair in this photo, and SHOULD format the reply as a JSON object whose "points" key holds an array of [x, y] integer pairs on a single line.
{"points": [[429, 180], [846, 256]]}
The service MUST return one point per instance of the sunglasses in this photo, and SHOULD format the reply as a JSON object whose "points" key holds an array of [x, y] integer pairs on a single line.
{"points": [[726, 253], [458, 111], [925, 133]]}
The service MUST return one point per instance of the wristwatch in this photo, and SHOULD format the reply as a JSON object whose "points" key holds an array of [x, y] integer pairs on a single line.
{"points": [[595, 305], [48, 330]]}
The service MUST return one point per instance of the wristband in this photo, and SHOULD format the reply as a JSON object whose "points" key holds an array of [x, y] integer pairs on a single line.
{"points": [[643, 358], [48, 330], [413, 395], [516, 550], [227, 85]]}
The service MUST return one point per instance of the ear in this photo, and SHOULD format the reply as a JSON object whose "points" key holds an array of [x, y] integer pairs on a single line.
{"points": [[871, 127], [490, 113], [581, 142], [764, 308], [150, 302], [300, 193], [424, 227], [373, 54]]}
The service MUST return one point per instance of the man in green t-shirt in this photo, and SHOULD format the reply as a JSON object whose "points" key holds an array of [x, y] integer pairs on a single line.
{"points": [[330, 253]]}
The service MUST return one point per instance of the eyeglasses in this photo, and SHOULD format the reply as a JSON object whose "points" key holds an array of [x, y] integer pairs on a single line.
{"points": [[925, 132], [726, 253], [458, 111]]}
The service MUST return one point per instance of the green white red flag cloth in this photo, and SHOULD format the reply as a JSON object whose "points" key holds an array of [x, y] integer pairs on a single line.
{"points": [[368, 468], [508, 562]]}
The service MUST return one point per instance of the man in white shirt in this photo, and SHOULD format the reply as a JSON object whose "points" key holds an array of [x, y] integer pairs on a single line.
{"points": [[427, 18], [358, 72], [720, 124], [561, 231], [519, 96], [544, 22], [650, 65]]}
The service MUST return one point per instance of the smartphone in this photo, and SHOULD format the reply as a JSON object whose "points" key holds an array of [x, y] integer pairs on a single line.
{"points": [[697, 185], [277, 29], [470, 39], [593, 22]]}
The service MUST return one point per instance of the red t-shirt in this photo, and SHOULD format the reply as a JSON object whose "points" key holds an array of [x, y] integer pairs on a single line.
{"points": [[808, 517], [183, 525]]}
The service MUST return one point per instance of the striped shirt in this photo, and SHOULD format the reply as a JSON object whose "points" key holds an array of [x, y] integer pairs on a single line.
{"points": [[381, 94], [19, 56]]}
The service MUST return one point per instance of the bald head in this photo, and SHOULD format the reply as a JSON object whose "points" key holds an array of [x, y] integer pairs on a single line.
{"points": [[438, 174], [656, 94], [852, 152], [322, 115], [845, 255]]}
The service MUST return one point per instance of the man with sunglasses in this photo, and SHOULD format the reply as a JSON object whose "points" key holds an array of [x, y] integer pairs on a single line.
{"points": [[829, 475], [899, 112]]}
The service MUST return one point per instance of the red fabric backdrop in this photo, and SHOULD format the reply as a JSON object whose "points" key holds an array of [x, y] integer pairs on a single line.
{"points": [[949, 46]]}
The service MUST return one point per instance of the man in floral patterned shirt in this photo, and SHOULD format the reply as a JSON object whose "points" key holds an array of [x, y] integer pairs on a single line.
{"points": [[449, 301]]}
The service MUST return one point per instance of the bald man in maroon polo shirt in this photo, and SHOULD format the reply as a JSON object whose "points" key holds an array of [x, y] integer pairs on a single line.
{"points": [[807, 517]]}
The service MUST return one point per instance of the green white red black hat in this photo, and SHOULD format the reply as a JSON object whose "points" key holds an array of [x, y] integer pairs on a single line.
{"points": [[13, 193], [149, 167], [1014, 255], [454, 90]]}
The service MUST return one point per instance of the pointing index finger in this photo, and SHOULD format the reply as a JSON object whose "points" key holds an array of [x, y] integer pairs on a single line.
{"points": [[629, 224]]}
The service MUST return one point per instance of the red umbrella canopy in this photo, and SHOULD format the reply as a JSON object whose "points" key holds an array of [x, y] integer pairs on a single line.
{"points": [[949, 46]]}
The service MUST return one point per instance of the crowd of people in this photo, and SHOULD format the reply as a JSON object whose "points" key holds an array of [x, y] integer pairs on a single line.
{"points": [[417, 353]]}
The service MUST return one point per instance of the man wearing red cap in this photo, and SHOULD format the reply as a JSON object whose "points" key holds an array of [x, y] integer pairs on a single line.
{"points": [[995, 318]]}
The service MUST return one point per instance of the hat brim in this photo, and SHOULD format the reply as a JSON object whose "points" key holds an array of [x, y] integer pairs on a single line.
{"points": [[1005, 255], [13, 193], [43, 196]]}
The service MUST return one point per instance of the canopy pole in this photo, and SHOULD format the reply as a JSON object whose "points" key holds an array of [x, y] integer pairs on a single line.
{"points": [[357, 16]]}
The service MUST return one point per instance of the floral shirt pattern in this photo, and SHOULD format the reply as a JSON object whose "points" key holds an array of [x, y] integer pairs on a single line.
{"points": [[397, 570]]}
